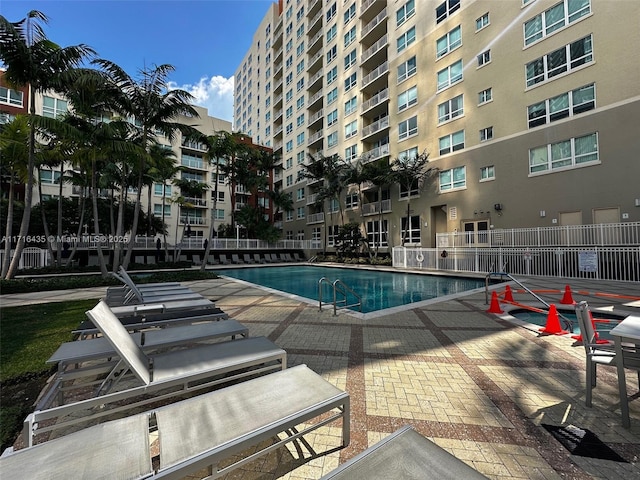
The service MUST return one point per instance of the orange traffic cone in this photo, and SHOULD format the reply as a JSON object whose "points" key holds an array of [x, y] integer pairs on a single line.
{"points": [[508, 295], [495, 304], [567, 299], [553, 323]]}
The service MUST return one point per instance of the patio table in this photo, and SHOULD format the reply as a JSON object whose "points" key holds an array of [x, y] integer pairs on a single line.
{"points": [[626, 331]]}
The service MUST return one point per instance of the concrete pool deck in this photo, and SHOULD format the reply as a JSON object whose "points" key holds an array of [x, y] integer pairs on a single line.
{"points": [[475, 383]]}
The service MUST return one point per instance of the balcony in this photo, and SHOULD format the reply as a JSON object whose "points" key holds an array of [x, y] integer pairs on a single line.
{"points": [[374, 208], [312, 199], [277, 146], [376, 79], [314, 24], [277, 114], [312, 6], [187, 220], [277, 132], [313, 62], [375, 127], [277, 100], [379, 99], [370, 8], [315, 117], [376, 52], [314, 79], [315, 218], [314, 138], [193, 145], [375, 27], [314, 98], [277, 87], [376, 153], [314, 44], [195, 202]]}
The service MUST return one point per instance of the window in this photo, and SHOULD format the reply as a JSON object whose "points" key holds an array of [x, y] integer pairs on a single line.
{"points": [[300, 103], [289, 46], [332, 32], [451, 109], [300, 157], [350, 59], [445, 9], [300, 212], [351, 129], [487, 173], [561, 106], [408, 128], [566, 154], [300, 14], [408, 154], [300, 84], [53, 107], [350, 13], [300, 67], [332, 118], [377, 233], [289, 112], [408, 98], [289, 180], [350, 36], [405, 12], [332, 139], [288, 96], [332, 96], [300, 139], [486, 134], [332, 75], [450, 75], [411, 229], [300, 194], [300, 31], [555, 18], [157, 189], [407, 69], [300, 120], [565, 59], [351, 153], [11, 97], [157, 210], [289, 61], [350, 105], [289, 163], [451, 143], [49, 176], [351, 200], [332, 235], [485, 96], [288, 79], [449, 42], [482, 21], [289, 215], [332, 53], [484, 58], [289, 146], [350, 82], [406, 39], [331, 12], [453, 179]]}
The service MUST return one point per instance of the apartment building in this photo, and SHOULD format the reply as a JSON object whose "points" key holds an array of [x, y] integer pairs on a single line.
{"points": [[528, 109], [197, 211]]}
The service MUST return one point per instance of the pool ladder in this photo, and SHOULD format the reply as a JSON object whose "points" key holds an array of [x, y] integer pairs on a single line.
{"points": [[568, 324], [339, 289]]}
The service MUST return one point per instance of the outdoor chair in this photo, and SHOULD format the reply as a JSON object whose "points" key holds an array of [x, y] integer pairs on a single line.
{"points": [[160, 376], [405, 455], [297, 258], [168, 306], [256, 257], [235, 258], [223, 259], [132, 294], [247, 258], [596, 354], [201, 432]]}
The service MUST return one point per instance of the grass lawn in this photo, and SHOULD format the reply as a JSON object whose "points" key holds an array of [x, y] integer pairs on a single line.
{"points": [[28, 337]]}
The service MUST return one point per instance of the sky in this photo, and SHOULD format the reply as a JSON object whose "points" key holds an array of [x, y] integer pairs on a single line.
{"points": [[205, 40]]}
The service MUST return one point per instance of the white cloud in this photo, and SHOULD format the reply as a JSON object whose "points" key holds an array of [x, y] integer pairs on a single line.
{"points": [[213, 93]]}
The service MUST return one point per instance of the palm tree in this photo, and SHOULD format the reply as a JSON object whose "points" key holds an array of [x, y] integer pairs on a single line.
{"points": [[380, 175], [32, 60], [14, 155], [163, 169], [411, 173]]}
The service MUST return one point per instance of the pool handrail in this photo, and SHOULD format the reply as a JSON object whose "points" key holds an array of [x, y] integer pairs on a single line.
{"points": [[338, 286]]}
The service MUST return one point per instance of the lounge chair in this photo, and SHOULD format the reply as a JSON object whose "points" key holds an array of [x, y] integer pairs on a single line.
{"points": [[256, 257], [271, 257], [235, 258], [173, 305], [164, 375], [407, 455], [132, 294], [247, 258], [193, 434], [223, 259], [297, 258], [152, 319]]}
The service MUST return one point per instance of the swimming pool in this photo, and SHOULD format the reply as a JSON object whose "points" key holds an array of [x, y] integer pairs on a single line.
{"points": [[378, 289]]}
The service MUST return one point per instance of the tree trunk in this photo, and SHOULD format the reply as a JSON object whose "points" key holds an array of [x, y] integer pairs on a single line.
{"points": [[96, 225], [8, 229], [45, 226], [59, 224]]}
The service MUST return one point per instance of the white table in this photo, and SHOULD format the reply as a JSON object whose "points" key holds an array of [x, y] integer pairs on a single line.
{"points": [[627, 331]]}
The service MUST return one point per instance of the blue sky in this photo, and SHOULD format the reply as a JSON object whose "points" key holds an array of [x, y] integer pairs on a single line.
{"points": [[205, 40]]}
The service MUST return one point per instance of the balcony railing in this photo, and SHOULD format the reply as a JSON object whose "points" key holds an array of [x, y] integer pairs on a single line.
{"points": [[193, 221], [315, 97], [315, 137], [376, 207], [373, 23], [315, 117], [311, 199], [196, 202], [376, 153], [369, 52], [375, 100], [381, 70], [375, 126], [315, 218]]}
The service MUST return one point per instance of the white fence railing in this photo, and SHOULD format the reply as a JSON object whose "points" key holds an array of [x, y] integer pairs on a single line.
{"points": [[598, 263], [569, 235], [32, 257]]}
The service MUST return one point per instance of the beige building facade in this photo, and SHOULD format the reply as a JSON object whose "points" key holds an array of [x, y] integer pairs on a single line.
{"points": [[528, 109]]}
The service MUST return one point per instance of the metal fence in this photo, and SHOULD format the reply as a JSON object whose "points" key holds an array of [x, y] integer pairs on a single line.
{"points": [[32, 257], [598, 263], [604, 234]]}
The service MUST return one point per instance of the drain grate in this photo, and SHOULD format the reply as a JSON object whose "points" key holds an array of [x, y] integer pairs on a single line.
{"points": [[582, 442]]}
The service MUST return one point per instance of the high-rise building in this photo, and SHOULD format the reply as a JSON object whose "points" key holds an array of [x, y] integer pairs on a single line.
{"points": [[528, 110]]}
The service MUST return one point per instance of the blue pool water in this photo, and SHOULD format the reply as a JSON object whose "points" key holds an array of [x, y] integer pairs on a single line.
{"points": [[378, 289]]}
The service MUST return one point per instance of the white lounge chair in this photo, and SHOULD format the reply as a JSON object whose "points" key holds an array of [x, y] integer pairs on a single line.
{"points": [[405, 455], [132, 294], [181, 371], [193, 434]]}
